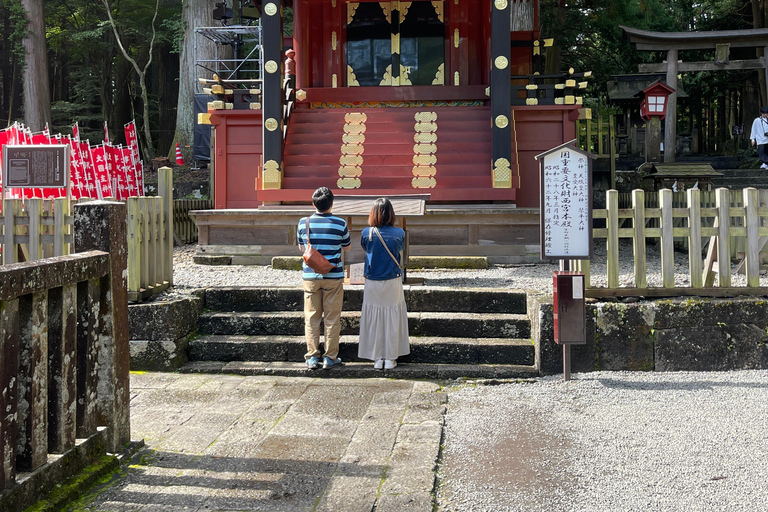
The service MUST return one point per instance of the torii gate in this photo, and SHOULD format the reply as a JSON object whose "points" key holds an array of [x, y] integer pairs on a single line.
{"points": [[721, 41]]}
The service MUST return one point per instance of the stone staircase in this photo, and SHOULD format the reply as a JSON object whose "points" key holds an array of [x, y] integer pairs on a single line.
{"points": [[454, 333], [741, 178]]}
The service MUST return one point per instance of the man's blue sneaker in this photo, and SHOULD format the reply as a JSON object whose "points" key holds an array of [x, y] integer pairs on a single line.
{"points": [[329, 363], [313, 363]]}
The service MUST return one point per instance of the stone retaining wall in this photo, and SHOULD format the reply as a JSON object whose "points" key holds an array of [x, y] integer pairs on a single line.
{"points": [[693, 334], [685, 334], [160, 332]]}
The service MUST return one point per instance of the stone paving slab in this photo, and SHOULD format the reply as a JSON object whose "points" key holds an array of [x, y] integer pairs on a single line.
{"points": [[271, 443]]}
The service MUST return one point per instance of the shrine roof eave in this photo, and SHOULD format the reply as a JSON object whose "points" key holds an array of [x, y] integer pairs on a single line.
{"points": [[662, 41]]}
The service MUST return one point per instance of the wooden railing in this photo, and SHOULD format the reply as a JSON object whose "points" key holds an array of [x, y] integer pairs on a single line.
{"points": [[41, 228], [64, 355], [708, 200], [184, 227], [597, 136], [715, 225]]}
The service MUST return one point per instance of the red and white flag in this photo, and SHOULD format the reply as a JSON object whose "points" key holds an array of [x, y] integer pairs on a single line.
{"points": [[99, 161], [130, 172], [106, 133], [76, 132], [76, 171], [89, 170], [133, 143]]}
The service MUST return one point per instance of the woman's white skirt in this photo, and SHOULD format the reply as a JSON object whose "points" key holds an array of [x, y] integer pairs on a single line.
{"points": [[384, 321]]}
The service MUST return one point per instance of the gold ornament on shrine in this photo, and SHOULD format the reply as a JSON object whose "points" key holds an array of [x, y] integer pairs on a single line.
{"points": [[425, 150], [270, 66], [502, 174], [271, 176], [270, 9], [502, 121], [271, 124], [501, 62]]}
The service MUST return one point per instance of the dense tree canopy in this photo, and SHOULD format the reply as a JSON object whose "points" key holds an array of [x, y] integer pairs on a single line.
{"points": [[91, 80]]}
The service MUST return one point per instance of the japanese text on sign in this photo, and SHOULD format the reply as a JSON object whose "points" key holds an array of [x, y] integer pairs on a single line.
{"points": [[565, 208], [36, 166]]}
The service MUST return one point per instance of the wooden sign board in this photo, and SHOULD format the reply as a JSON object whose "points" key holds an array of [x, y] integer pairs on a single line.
{"points": [[41, 166], [566, 203]]}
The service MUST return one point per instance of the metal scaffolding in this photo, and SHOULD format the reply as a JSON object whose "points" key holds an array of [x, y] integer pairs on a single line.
{"points": [[237, 57]]}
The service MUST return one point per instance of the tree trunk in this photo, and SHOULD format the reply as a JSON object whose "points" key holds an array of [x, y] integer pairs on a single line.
{"points": [[759, 15], [37, 94], [167, 96], [554, 53], [195, 13]]}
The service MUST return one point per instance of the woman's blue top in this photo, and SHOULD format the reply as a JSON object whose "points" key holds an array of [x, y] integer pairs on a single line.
{"points": [[379, 265]]}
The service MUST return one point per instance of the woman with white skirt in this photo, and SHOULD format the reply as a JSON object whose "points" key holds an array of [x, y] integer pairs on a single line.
{"points": [[384, 319]]}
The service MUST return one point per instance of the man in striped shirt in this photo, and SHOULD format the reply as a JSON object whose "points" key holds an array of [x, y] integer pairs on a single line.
{"points": [[323, 294]]}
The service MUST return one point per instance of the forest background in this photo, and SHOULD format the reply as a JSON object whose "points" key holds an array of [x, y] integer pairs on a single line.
{"points": [[90, 61]]}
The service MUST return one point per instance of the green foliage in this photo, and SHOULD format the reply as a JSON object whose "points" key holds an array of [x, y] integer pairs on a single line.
{"points": [[18, 25]]}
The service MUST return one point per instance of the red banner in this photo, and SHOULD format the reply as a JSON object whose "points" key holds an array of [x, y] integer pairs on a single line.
{"points": [[132, 142], [89, 171], [103, 181]]}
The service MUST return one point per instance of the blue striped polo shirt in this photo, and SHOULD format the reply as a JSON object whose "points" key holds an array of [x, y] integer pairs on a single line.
{"points": [[328, 234]]}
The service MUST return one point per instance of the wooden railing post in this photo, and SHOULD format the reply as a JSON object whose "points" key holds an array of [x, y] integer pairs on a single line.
{"points": [[694, 237], [165, 190], [612, 243], [35, 213], [100, 225], [723, 205], [752, 250], [638, 240], [667, 239], [9, 364]]}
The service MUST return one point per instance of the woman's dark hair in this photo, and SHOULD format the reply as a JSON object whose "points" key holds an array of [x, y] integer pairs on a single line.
{"points": [[322, 199], [382, 213]]}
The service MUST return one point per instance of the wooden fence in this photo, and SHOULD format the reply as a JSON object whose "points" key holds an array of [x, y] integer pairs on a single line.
{"points": [[715, 225], [184, 227], [39, 228], [64, 356]]}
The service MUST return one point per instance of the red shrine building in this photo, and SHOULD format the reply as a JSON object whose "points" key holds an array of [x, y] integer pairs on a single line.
{"points": [[445, 98]]}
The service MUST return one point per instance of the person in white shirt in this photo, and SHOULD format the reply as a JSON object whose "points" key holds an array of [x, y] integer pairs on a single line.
{"points": [[759, 136]]}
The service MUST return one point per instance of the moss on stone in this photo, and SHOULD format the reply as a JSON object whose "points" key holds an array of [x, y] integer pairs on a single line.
{"points": [[64, 494]]}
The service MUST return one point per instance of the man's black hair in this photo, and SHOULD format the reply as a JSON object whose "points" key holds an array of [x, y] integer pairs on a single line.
{"points": [[322, 199], [764, 110]]}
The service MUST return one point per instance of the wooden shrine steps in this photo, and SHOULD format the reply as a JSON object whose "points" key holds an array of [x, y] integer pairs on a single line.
{"points": [[443, 151]]}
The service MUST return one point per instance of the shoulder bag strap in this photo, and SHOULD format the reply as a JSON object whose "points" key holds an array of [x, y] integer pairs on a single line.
{"points": [[308, 244], [385, 246]]}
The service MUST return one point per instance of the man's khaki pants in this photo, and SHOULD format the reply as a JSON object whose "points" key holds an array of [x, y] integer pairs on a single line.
{"points": [[323, 299]]}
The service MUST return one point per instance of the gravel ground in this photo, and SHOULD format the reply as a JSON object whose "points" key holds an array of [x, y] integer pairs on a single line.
{"points": [[605, 441], [608, 441], [537, 277]]}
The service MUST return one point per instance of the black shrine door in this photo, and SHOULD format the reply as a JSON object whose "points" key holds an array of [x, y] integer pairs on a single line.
{"points": [[395, 43]]}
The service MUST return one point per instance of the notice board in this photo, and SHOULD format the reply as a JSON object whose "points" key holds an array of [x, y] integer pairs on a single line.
{"points": [[566, 203], [43, 166]]}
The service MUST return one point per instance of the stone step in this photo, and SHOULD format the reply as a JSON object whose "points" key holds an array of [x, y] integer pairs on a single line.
{"points": [[365, 370], [759, 182], [417, 299], [444, 350], [462, 325]]}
